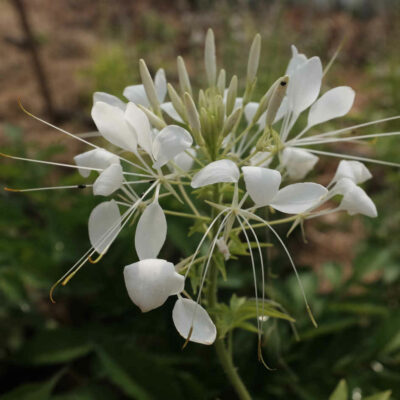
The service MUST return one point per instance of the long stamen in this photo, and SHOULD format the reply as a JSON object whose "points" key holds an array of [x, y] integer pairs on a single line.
{"points": [[80, 138], [343, 130], [350, 157], [203, 239], [310, 142], [88, 254], [38, 189], [260, 321], [291, 262], [67, 165], [207, 264]]}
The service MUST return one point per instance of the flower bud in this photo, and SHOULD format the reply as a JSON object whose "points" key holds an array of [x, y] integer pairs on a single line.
{"points": [[149, 86], [193, 118], [210, 58], [276, 100], [154, 120], [184, 80], [177, 102], [254, 58], [231, 121], [231, 95], [221, 82]]}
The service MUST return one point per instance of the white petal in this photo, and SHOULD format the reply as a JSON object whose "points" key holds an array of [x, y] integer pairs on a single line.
{"points": [[356, 201], [139, 122], [136, 94], [170, 110], [296, 61], [150, 282], [249, 112], [108, 181], [354, 170], [171, 141], [111, 124], [333, 104], [190, 316], [299, 197], [298, 162], [262, 184], [160, 83], [304, 85], [97, 158], [151, 232], [184, 161], [216, 172], [104, 225], [109, 99], [261, 158]]}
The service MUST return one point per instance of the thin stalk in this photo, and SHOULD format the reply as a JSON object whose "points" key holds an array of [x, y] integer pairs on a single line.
{"points": [[222, 351]]}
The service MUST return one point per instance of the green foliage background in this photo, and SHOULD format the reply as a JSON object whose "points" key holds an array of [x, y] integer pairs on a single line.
{"points": [[94, 344]]}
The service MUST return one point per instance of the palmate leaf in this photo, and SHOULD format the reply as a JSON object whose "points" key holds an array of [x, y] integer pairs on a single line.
{"points": [[242, 313]]}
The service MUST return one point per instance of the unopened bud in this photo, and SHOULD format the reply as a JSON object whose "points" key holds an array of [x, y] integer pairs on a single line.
{"points": [[184, 81], [231, 121], [254, 58], [265, 100], [177, 102], [210, 58], [232, 94], [149, 86], [193, 118], [154, 120], [221, 82], [276, 100]]}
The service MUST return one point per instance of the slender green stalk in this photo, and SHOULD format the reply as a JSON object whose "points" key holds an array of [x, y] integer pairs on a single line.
{"points": [[222, 351]]}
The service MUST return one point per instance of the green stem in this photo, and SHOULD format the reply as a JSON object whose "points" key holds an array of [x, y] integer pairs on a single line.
{"points": [[223, 353]]}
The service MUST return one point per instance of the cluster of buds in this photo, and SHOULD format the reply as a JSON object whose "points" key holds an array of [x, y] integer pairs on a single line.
{"points": [[227, 159]]}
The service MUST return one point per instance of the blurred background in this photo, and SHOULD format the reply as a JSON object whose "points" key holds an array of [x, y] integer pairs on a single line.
{"points": [[93, 343]]}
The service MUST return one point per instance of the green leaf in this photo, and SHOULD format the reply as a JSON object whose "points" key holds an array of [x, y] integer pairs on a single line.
{"points": [[240, 311], [359, 308], [33, 391], [119, 376], [54, 347], [380, 396], [341, 391]]}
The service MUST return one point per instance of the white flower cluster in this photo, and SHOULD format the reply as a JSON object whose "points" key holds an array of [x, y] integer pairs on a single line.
{"points": [[246, 150]]}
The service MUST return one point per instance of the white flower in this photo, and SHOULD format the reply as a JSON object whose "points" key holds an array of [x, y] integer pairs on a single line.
{"points": [[298, 162], [111, 124], [150, 282], [355, 200], [216, 172], [262, 184], [192, 319], [97, 158], [162, 146], [104, 225], [354, 170], [151, 232]]}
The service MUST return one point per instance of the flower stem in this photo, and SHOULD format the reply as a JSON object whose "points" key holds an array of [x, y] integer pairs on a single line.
{"points": [[223, 354]]}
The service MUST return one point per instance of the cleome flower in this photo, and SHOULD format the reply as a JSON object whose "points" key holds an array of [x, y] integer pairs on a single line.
{"points": [[229, 160]]}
